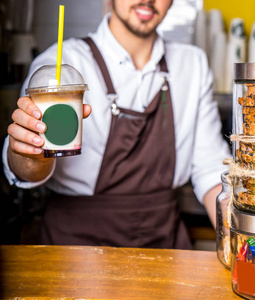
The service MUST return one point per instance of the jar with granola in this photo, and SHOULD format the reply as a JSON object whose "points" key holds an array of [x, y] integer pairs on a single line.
{"points": [[243, 137]]}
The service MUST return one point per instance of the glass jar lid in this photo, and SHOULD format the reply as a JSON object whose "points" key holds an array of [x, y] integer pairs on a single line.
{"points": [[244, 71], [241, 221]]}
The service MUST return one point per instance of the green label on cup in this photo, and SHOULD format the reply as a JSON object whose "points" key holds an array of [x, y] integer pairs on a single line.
{"points": [[62, 124]]}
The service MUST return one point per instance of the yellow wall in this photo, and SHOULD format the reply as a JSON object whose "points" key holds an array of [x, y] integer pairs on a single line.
{"points": [[230, 9]]}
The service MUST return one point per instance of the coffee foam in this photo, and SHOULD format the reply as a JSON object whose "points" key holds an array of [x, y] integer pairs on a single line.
{"points": [[57, 96]]}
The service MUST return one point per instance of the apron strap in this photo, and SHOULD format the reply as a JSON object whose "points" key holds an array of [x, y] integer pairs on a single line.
{"points": [[100, 61]]}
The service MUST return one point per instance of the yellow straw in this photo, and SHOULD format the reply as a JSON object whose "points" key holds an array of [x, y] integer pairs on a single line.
{"points": [[60, 42]]}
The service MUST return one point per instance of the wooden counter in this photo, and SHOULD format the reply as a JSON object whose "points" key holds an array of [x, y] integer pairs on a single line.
{"points": [[76, 272]]}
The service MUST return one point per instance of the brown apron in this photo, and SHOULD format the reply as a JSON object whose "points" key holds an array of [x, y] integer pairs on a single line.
{"points": [[133, 204]]}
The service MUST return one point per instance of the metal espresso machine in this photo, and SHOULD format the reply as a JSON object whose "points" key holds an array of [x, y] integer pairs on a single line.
{"points": [[236, 219]]}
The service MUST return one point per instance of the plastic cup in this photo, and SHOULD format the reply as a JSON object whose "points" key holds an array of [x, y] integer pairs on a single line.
{"points": [[62, 108]]}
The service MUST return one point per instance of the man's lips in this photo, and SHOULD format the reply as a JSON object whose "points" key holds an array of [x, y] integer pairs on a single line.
{"points": [[144, 13]]}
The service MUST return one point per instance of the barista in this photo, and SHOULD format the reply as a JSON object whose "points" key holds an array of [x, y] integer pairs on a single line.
{"points": [[153, 126]]}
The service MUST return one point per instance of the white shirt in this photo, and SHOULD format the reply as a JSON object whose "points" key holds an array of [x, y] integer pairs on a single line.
{"points": [[200, 148]]}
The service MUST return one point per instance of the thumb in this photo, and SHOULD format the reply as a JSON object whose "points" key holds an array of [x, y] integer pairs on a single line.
{"points": [[86, 110]]}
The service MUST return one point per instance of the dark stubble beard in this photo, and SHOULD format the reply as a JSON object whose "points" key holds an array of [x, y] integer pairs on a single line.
{"points": [[137, 32]]}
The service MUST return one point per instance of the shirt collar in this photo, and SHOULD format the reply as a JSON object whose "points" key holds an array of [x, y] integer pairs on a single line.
{"points": [[106, 41]]}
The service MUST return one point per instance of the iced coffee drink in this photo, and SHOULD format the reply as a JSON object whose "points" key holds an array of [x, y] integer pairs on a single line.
{"points": [[62, 109]]}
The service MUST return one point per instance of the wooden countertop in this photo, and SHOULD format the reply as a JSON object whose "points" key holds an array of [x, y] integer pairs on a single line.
{"points": [[78, 272]]}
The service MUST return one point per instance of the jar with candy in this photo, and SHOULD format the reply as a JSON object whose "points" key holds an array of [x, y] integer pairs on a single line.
{"points": [[222, 222], [243, 136], [242, 235]]}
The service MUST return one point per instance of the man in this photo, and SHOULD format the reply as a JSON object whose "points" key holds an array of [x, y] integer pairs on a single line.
{"points": [[153, 126]]}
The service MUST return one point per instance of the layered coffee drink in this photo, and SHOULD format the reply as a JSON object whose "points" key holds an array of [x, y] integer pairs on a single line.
{"points": [[62, 111], [62, 114]]}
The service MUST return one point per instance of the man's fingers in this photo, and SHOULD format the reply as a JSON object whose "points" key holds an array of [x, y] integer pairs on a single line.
{"points": [[25, 120], [24, 149], [21, 134], [28, 115], [27, 105]]}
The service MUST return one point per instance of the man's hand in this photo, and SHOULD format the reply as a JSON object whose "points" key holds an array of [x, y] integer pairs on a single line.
{"points": [[25, 155], [23, 132], [26, 126]]}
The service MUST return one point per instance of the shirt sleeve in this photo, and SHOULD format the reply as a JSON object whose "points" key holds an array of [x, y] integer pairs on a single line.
{"points": [[210, 149]]}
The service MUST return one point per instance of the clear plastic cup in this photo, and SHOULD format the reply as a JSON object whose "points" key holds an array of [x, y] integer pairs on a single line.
{"points": [[62, 108]]}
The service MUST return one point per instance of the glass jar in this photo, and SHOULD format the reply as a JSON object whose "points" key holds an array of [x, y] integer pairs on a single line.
{"points": [[222, 224], [243, 137], [242, 234]]}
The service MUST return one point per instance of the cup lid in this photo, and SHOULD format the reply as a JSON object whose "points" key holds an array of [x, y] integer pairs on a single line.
{"points": [[44, 80]]}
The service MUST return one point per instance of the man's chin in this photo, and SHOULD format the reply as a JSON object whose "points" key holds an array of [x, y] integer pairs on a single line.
{"points": [[142, 33], [145, 35]]}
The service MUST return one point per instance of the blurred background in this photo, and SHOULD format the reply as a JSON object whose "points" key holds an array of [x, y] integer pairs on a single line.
{"points": [[224, 29]]}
